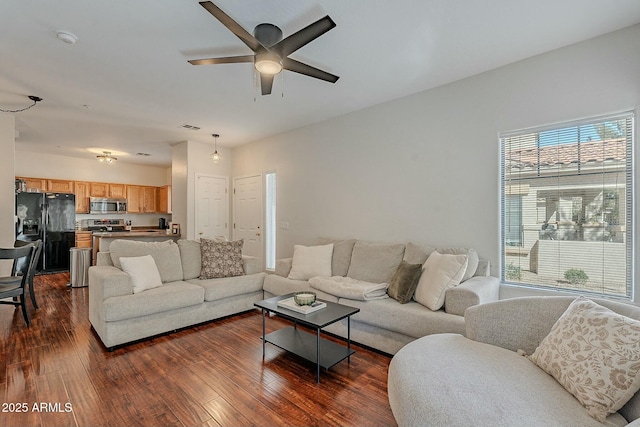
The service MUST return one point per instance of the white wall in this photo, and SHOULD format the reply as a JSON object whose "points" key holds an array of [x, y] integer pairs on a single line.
{"points": [[188, 159], [52, 166], [7, 199], [425, 168]]}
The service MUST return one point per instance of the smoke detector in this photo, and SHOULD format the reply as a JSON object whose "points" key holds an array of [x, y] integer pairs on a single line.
{"points": [[66, 37]]}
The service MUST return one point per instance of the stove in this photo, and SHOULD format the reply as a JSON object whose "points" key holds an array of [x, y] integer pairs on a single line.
{"points": [[106, 225]]}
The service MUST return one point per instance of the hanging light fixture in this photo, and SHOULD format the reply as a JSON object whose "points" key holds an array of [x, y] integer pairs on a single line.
{"points": [[215, 157], [107, 158]]}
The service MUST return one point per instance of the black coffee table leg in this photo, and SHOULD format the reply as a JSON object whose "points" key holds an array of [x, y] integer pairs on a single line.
{"points": [[318, 353]]}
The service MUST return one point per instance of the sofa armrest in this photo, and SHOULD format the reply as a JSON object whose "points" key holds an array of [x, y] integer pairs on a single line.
{"points": [[251, 264], [104, 258], [474, 291], [107, 281], [283, 266]]}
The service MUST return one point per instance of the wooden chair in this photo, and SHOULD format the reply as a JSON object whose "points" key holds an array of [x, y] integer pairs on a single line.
{"points": [[32, 269], [14, 286]]}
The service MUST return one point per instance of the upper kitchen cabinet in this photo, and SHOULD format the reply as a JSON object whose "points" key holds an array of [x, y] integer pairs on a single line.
{"points": [[163, 199], [59, 186], [135, 199], [99, 189], [118, 191], [149, 203], [34, 184], [82, 191]]}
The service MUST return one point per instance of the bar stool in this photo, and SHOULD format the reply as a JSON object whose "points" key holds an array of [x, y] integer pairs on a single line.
{"points": [[14, 286]]}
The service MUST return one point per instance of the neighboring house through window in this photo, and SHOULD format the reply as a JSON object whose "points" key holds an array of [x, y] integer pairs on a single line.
{"points": [[566, 206]]}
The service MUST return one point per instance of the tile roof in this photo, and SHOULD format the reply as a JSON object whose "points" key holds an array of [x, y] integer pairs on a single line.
{"points": [[564, 154]]}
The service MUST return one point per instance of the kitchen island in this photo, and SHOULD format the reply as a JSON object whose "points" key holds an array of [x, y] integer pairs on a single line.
{"points": [[102, 239]]}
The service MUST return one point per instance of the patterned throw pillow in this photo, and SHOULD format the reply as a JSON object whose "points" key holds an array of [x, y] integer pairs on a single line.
{"points": [[221, 259], [595, 354]]}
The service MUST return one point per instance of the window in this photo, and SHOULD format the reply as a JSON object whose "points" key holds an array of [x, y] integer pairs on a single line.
{"points": [[566, 206], [270, 221]]}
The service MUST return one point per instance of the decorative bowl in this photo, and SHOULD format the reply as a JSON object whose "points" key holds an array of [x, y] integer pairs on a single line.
{"points": [[304, 298]]}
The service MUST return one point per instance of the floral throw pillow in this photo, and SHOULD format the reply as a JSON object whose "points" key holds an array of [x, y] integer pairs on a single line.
{"points": [[595, 354], [221, 259]]}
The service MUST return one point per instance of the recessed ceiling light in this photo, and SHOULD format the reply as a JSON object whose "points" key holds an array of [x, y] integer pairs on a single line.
{"points": [[67, 37]]}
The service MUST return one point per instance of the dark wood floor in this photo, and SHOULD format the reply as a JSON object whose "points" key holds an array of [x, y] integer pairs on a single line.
{"points": [[57, 373]]}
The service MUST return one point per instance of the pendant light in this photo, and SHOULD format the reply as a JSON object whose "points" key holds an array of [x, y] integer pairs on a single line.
{"points": [[215, 157]]}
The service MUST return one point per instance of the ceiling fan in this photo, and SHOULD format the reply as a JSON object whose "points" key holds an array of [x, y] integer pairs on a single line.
{"points": [[271, 50]]}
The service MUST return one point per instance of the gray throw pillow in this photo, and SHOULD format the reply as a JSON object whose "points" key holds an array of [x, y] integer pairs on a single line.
{"points": [[404, 282], [221, 259]]}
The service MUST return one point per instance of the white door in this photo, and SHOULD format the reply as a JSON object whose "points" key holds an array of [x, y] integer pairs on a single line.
{"points": [[247, 214], [212, 207]]}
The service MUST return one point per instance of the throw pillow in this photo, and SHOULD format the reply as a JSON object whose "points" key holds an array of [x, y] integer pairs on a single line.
{"points": [[404, 282], [311, 261], [441, 272], [143, 272], [594, 353], [472, 256], [221, 259]]}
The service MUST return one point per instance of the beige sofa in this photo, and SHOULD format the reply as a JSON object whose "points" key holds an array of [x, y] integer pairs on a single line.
{"points": [[120, 316], [385, 324], [481, 380]]}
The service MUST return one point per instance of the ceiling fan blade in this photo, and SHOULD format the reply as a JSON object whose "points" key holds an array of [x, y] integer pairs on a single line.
{"points": [[266, 83], [309, 33], [248, 39], [223, 60], [307, 70]]}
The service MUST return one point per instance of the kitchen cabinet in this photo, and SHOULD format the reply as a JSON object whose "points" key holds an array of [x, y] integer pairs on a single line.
{"points": [[135, 199], [99, 189], [163, 199], [59, 186], [82, 190], [34, 184], [83, 239], [118, 191], [149, 200]]}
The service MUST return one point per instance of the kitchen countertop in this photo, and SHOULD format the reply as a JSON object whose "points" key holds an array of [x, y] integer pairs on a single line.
{"points": [[135, 233]]}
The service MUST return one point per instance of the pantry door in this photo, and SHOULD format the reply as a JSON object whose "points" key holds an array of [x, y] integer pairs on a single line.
{"points": [[247, 214], [212, 207]]}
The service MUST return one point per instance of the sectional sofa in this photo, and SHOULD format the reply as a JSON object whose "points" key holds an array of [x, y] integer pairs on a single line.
{"points": [[119, 315]]}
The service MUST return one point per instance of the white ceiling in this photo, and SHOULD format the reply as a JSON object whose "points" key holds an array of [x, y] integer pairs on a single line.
{"points": [[130, 63]]}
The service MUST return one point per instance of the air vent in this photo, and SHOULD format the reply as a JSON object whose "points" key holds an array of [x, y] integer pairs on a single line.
{"points": [[143, 154], [189, 127]]}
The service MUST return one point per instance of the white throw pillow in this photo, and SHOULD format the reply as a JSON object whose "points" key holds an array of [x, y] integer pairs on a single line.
{"points": [[143, 271], [440, 272], [311, 261], [594, 353]]}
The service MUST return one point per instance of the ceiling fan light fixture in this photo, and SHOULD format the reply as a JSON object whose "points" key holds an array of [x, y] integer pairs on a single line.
{"points": [[106, 157], [268, 63]]}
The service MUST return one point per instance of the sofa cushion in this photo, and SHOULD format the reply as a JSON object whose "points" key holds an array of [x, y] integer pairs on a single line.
{"points": [[166, 255], [441, 272], [341, 258], [143, 272], [190, 256], [375, 262], [449, 380], [170, 296], [404, 282], [221, 259], [416, 253], [311, 261], [278, 285], [225, 287], [411, 319], [594, 353]]}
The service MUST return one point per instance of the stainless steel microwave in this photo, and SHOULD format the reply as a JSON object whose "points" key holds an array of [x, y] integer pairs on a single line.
{"points": [[101, 205]]}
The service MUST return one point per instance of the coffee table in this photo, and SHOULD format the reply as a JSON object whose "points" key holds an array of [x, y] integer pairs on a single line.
{"points": [[322, 352]]}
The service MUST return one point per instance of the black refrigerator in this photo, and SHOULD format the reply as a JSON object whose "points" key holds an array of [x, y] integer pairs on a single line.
{"points": [[50, 217]]}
